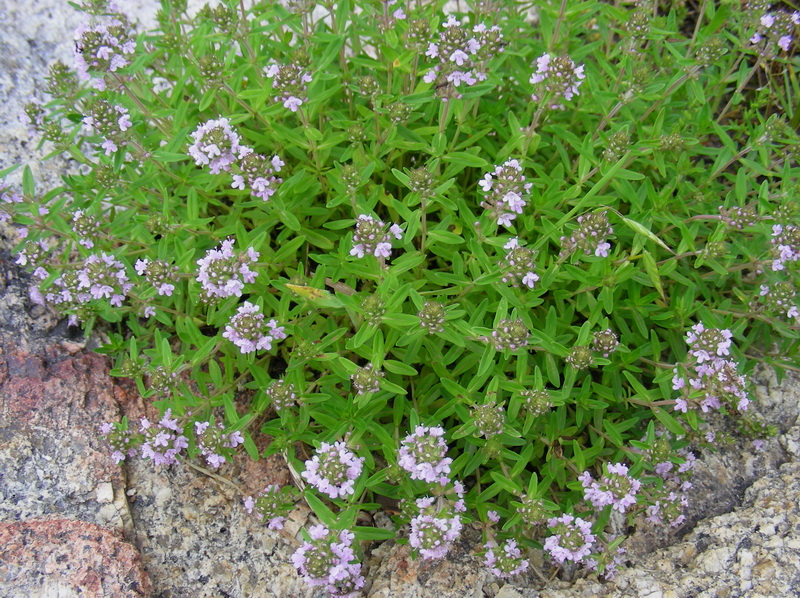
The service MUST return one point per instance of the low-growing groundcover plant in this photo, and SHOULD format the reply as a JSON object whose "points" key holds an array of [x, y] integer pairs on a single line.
{"points": [[500, 269]]}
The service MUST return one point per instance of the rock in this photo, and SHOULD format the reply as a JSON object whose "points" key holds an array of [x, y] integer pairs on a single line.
{"points": [[61, 557]]}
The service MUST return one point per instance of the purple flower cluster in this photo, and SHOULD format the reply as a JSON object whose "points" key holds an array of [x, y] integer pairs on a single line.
{"points": [[505, 562], [122, 441], [290, 82], [775, 29], [423, 454], [219, 146], [102, 48], [590, 236], [223, 273], [519, 265], [213, 441], [248, 329], [711, 378], [157, 273], [461, 56], [615, 488], [556, 79], [333, 470], [571, 538], [506, 191], [111, 121], [102, 277], [373, 238], [258, 173], [786, 245], [216, 145], [10, 198], [435, 529], [272, 503], [670, 509], [33, 254], [163, 441], [328, 561]]}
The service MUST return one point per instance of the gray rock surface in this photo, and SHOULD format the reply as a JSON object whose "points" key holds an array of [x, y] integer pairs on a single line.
{"points": [[72, 523]]}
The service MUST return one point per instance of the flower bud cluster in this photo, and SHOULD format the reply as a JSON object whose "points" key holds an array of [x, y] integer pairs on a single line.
{"points": [[111, 121], [435, 529], [422, 181], [248, 330], [536, 402], [615, 488], [461, 56], [489, 419], [373, 237], [273, 504], [223, 273], [775, 29], [738, 218], [580, 357], [282, 395], [785, 245], [519, 265], [505, 562], [423, 454], [158, 273], [712, 380], [373, 308], [605, 342], [398, 112], [327, 560], [532, 510], [162, 380], [213, 442], [780, 298], [86, 227], [506, 191], [711, 50], [510, 334], [333, 470], [122, 441], [258, 173], [61, 81], [638, 26], [417, 34], [670, 509], [432, 317], [590, 236], [556, 79], [290, 82], [672, 143], [616, 146], [102, 48], [571, 538], [35, 254], [33, 116], [366, 380]]}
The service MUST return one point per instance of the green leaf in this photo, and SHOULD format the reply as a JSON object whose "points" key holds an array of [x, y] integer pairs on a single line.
{"points": [[466, 159]]}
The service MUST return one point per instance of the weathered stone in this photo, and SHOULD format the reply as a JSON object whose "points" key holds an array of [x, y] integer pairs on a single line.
{"points": [[61, 557]]}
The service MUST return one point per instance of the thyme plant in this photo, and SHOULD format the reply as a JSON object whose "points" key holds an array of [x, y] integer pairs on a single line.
{"points": [[503, 268]]}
